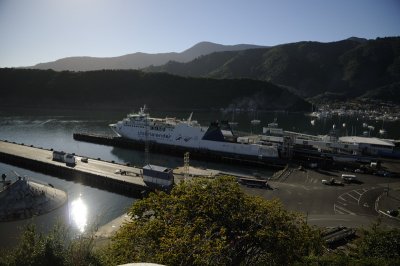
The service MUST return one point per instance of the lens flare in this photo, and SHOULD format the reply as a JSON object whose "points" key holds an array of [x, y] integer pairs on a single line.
{"points": [[78, 213]]}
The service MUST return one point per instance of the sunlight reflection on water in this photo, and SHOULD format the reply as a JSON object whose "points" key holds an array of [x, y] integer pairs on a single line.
{"points": [[78, 213]]}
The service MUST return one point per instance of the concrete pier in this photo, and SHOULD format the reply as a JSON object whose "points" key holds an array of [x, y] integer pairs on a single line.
{"points": [[97, 173]]}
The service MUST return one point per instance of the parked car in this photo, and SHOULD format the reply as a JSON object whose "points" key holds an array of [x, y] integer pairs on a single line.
{"points": [[393, 213], [382, 173]]}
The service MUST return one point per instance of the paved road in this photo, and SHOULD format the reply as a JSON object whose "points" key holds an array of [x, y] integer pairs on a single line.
{"points": [[352, 205], [93, 166]]}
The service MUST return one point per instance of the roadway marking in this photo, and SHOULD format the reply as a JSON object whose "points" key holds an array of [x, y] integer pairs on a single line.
{"points": [[342, 209], [372, 188], [377, 202], [330, 219], [348, 194], [388, 215], [355, 197], [341, 198], [342, 203]]}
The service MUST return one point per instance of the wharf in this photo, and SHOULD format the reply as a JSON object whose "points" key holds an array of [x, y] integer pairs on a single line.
{"points": [[96, 173], [200, 154]]}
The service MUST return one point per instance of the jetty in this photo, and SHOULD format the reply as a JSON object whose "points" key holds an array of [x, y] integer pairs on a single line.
{"points": [[114, 177]]}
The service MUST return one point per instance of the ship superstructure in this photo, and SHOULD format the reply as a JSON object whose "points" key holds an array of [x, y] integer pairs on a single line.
{"points": [[218, 137]]}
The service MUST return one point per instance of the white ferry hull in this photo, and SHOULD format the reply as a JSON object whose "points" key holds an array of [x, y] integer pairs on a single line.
{"points": [[182, 133]]}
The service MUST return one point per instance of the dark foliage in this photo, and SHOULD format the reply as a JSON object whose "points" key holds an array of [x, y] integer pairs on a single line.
{"points": [[127, 88], [54, 249], [212, 222]]}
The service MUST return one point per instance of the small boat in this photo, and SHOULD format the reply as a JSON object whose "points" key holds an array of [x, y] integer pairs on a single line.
{"points": [[382, 131], [233, 123], [255, 120]]}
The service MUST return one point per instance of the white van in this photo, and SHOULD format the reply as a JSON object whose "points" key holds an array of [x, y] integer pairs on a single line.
{"points": [[349, 178]]}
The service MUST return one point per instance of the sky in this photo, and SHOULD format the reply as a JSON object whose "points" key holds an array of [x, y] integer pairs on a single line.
{"points": [[37, 31]]}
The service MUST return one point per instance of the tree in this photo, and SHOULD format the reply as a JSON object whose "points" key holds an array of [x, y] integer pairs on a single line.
{"points": [[379, 243], [211, 221], [57, 248], [375, 246]]}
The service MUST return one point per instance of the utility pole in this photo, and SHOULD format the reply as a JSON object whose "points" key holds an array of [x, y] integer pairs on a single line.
{"points": [[146, 140], [186, 165]]}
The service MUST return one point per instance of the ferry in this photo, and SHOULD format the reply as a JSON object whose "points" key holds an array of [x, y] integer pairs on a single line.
{"points": [[218, 137]]}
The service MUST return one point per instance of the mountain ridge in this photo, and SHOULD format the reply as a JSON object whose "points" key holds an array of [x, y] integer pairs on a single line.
{"points": [[350, 67], [137, 60]]}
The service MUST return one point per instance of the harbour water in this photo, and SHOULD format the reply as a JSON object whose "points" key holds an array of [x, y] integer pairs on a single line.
{"points": [[87, 205]]}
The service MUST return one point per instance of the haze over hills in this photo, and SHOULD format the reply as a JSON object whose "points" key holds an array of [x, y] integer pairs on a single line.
{"points": [[138, 60], [324, 71]]}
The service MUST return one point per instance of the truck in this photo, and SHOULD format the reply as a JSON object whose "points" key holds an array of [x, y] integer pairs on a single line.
{"points": [[252, 182], [349, 178]]}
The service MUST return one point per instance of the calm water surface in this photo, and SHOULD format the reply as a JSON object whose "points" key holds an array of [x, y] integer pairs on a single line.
{"points": [[87, 205]]}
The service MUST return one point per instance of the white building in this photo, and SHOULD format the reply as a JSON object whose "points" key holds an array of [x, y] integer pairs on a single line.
{"points": [[372, 146], [158, 176]]}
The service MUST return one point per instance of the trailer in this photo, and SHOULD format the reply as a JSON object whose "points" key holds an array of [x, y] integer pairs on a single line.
{"points": [[253, 182], [58, 156]]}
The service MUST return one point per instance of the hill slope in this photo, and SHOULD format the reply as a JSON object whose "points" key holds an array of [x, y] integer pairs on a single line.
{"points": [[349, 67], [138, 60], [125, 89]]}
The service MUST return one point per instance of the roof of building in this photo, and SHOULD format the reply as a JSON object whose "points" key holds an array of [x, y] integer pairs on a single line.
{"points": [[366, 140], [156, 168]]}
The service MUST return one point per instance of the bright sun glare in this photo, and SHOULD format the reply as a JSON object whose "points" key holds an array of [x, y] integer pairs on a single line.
{"points": [[79, 213]]}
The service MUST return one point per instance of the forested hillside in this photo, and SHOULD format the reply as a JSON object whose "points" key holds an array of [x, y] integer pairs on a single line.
{"points": [[348, 68], [131, 88]]}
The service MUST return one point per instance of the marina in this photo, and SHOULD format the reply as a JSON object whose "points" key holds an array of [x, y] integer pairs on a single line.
{"points": [[114, 156], [56, 132], [292, 147]]}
